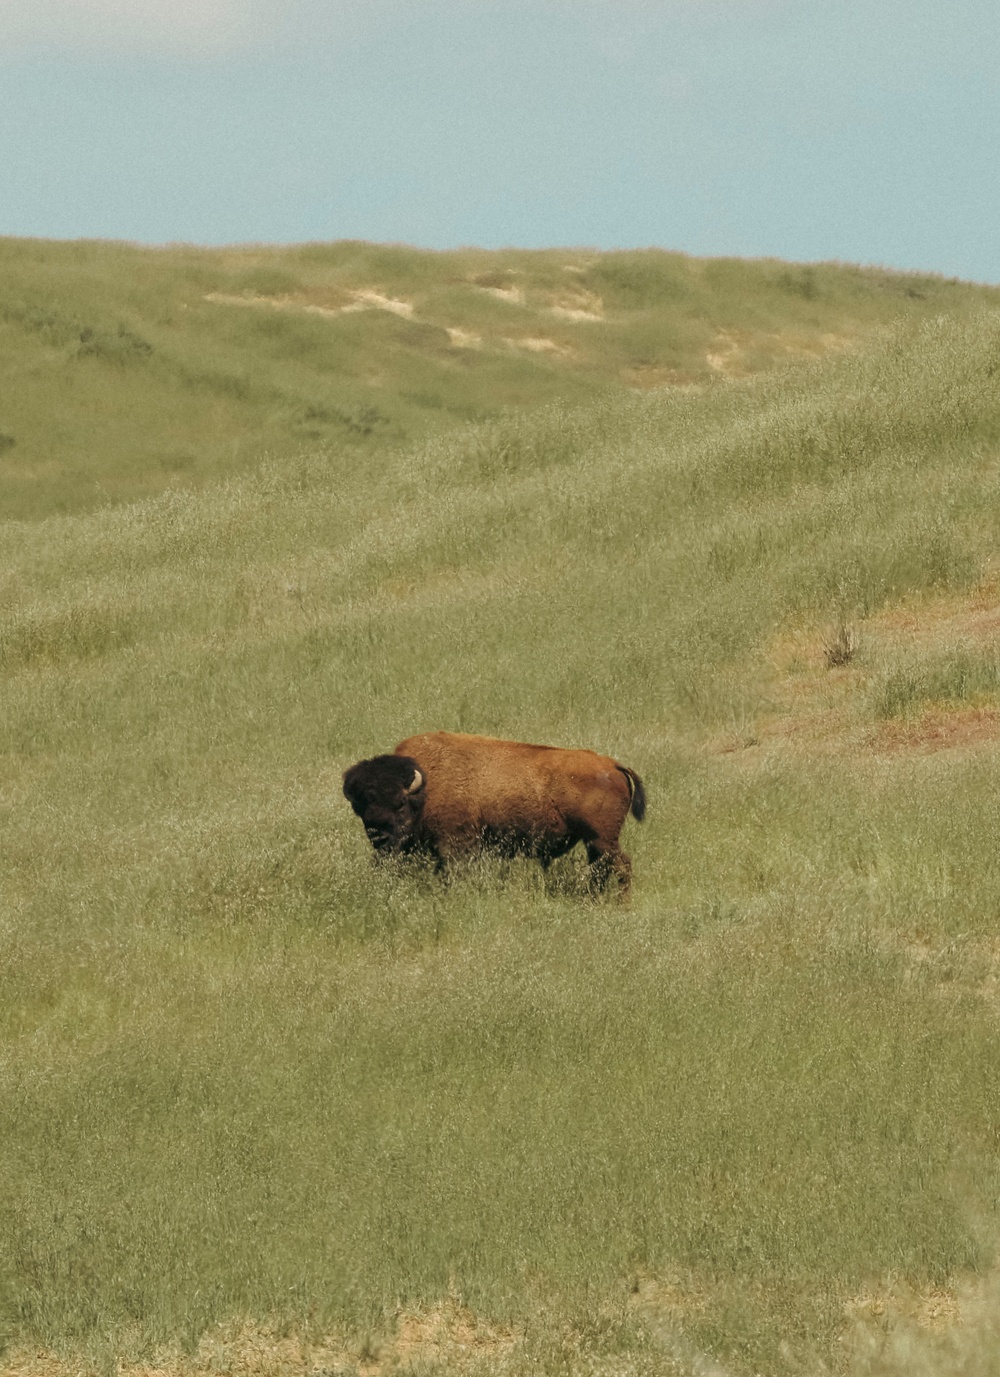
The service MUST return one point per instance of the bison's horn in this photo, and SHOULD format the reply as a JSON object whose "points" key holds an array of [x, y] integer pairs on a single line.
{"points": [[416, 783]]}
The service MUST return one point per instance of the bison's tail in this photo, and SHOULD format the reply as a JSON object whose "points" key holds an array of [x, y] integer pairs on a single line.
{"points": [[636, 792]]}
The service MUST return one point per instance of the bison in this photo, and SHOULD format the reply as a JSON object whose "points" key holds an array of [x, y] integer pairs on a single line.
{"points": [[448, 794]]}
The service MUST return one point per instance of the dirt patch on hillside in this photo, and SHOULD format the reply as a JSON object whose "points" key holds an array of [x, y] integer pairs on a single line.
{"points": [[725, 356], [368, 300], [538, 344], [463, 339], [939, 730], [918, 624], [579, 306], [934, 1307], [735, 354], [446, 1336], [362, 300], [975, 617], [513, 295], [448, 1333], [673, 1296], [574, 313], [272, 303], [961, 967], [819, 682]]}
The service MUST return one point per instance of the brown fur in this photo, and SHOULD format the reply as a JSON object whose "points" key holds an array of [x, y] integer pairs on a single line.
{"points": [[517, 798]]}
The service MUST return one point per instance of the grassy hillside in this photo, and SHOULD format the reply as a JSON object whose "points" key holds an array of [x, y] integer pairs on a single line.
{"points": [[130, 370], [267, 1107]]}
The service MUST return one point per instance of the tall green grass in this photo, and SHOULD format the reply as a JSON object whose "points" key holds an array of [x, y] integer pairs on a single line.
{"points": [[246, 1073], [963, 674]]}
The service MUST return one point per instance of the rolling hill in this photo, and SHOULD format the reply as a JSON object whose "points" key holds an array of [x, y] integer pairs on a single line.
{"points": [[130, 370], [271, 1109]]}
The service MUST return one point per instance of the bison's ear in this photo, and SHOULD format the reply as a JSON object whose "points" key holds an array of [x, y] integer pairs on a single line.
{"points": [[415, 784]]}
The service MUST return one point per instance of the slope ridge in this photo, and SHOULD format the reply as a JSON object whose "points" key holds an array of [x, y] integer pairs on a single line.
{"points": [[134, 370]]}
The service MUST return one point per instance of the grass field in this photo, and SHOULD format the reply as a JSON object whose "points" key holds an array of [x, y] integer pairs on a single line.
{"points": [[130, 371], [270, 1109]]}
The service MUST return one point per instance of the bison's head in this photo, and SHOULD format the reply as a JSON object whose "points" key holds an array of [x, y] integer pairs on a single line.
{"points": [[387, 793]]}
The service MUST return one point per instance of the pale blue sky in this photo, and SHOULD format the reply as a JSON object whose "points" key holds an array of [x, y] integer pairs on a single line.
{"points": [[863, 130]]}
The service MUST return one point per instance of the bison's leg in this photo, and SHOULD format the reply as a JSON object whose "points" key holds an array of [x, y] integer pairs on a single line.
{"points": [[550, 850], [607, 860]]}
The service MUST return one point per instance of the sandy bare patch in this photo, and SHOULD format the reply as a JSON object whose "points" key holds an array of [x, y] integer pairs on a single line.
{"points": [[574, 313], [665, 1303], [830, 342], [364, 300], [927, 1332], [672, 1296], [963, 968], [957, 968], [728, 355], [820, 728], [463, 339], [819, 704], [445, 1335], [279, 303], [939, 729], [538, 344], [578, 306], [934, 1307], [368, 300], [513, 295], [273, 303], [971, 616], [809, 710], [448, 1332], [724, 357]]}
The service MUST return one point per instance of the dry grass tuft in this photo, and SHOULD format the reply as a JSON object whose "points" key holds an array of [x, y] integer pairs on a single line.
{"points": [[841, 647]]}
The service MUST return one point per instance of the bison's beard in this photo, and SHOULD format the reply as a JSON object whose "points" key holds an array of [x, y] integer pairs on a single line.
{"points": [[395, 841]]}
